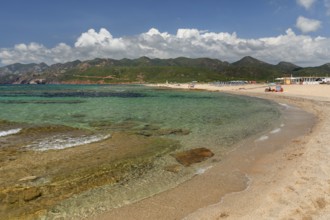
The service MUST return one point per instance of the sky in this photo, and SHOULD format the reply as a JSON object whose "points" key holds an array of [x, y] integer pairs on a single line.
{"points": [[36, 31]]}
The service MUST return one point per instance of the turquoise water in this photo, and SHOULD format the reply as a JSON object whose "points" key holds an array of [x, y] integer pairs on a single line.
{"points": [[213, 119], [48, 117]]}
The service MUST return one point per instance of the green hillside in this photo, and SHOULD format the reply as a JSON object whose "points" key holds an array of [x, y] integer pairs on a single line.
{"points": [[146, 70]]}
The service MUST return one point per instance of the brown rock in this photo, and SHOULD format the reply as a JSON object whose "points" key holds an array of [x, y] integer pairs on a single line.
{"points": [[31, 194], [186, 158]]}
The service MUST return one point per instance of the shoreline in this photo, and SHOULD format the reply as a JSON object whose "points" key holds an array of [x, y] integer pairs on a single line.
{"points": [[298, 186], [282, 163]]}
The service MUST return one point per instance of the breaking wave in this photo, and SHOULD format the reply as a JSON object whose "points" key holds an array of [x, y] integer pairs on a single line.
{"points": [[10, 132]]}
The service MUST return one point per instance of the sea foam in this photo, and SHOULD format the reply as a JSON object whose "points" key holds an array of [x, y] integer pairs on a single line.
{"points": [[262, 138], [200, 171], [58, 143], [275, 131], [10, 132], [286, 106]]}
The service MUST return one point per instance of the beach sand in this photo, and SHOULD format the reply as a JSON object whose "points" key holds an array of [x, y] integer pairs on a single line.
{"points": [[292, 182]]}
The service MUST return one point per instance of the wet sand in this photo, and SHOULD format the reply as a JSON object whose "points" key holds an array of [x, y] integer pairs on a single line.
{"points": [[287, 174]]}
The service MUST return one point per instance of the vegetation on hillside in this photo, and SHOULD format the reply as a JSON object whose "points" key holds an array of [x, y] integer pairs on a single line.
{"points": [[148, 70]]}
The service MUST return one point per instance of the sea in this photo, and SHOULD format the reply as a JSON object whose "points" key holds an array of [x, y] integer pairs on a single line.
{"points": [[72, 127]]}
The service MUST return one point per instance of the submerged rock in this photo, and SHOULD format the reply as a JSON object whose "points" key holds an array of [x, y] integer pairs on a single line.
{"points": [[186, 158], [173, 131], [174, 168], [163, 132], [150, 127]]}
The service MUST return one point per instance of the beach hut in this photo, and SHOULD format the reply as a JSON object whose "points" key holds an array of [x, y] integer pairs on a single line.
{"points": [[288, 80], [302, 80]]}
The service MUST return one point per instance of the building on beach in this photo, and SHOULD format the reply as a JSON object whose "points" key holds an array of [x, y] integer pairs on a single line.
{"points": [[303, 80]]}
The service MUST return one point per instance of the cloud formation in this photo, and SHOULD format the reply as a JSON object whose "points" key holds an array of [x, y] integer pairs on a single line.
{"points": [[307, 25], [300, 49], [307, 4]]}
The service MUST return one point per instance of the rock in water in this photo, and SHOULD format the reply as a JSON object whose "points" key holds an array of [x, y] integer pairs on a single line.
{"points": [[186, 158], [175, 168]]}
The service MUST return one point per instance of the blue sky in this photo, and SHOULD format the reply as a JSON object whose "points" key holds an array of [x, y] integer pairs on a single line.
{"points": [[60, 31]]}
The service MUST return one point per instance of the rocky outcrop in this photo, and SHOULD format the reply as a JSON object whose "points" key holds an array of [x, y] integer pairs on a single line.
{"points": [[197, 155]]}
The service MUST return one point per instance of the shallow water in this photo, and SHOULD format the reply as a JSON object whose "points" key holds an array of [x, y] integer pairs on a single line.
{"points": [[212, 118], [62, 120]]}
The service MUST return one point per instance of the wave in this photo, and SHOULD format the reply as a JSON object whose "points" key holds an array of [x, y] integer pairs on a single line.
{"points": [[275, 130], [10, 132], [58, 143], [286, 106], [262, 138], [200, 171]]}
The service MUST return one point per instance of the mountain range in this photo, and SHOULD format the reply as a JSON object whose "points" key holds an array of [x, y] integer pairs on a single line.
{"points": [[146, 70]]}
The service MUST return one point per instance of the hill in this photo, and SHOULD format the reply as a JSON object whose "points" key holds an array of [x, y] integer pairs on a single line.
{"points": [[144, 69]]}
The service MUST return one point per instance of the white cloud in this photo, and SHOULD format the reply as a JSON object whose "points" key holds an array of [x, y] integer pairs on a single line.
{"points": [[188, 33], [307, 4], [299, 49], [36, 53], [307, 25]]}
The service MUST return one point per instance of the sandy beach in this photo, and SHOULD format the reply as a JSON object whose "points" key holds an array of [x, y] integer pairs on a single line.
{"points": [[296, 185], [292, 182]]}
